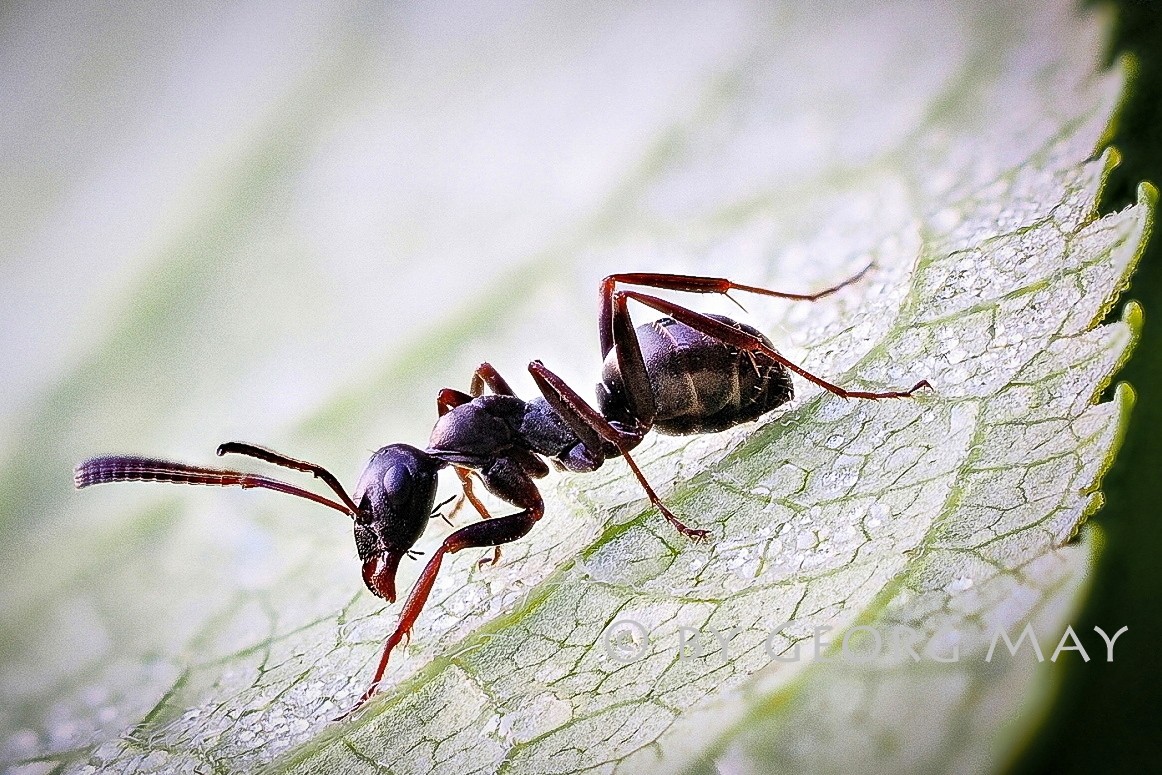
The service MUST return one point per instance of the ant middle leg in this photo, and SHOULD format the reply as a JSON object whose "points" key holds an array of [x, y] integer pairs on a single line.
{"points": [[593, 429]]}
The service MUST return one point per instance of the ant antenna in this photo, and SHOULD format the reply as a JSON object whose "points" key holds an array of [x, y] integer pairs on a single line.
{"points": [[132, 468], [270, 456]]}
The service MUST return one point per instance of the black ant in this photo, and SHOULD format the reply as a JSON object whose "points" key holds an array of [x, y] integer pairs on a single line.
{"points": [[683, 374]]}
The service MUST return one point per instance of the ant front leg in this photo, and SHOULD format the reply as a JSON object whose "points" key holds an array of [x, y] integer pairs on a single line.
{"points": [[505, 479], [593, 429], [744, 341], [447, 400]]}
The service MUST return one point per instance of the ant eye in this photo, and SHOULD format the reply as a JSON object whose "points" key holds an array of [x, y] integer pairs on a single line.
{"points": [[397, 481]]}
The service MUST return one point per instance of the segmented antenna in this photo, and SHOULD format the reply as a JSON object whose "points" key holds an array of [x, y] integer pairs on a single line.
{"points": [[131, 468], [277, 458]]}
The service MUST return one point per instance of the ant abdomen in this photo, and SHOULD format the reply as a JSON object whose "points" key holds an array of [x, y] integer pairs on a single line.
{"points": [[700, 383]]}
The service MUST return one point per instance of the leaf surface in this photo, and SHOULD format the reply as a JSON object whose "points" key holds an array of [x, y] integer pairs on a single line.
{"points": [[392, 199]]}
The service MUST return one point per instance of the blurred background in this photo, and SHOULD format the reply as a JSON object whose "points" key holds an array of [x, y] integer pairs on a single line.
{"points": [[291, 223]]}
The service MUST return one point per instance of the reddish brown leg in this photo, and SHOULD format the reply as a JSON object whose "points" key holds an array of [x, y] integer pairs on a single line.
{"points": [[485, 374], [507, 481], [447, 400], [465, 475], [592, 428], [692, 284], [745, 341]]}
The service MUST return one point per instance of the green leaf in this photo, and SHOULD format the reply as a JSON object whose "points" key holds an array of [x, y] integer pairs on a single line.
{"points": [[335, 213]]}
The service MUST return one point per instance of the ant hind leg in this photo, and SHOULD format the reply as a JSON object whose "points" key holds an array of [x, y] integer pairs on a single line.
{"points": [[693, 284], [744, 341]]}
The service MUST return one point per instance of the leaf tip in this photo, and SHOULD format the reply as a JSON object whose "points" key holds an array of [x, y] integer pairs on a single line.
{"points": [[1148, 196]]}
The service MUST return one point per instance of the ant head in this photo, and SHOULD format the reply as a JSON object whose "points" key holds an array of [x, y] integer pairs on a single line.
{"points": [[395, 495]]}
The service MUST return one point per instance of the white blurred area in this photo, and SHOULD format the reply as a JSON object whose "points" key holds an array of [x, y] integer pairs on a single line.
{"points": [[320, 184], [329, 179]]}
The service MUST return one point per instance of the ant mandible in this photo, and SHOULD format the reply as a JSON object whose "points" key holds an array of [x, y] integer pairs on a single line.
{"points": [[686, 373]]}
